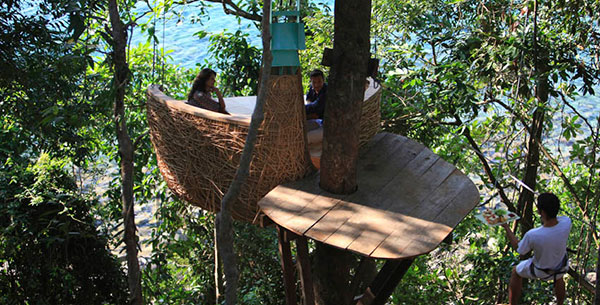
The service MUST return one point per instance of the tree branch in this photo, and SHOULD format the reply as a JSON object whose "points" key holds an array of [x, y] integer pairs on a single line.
{"points": [[488, 170], [236, 10], [137, 140], [557, 169], [224, 220], [581, 280], [564, 100]]}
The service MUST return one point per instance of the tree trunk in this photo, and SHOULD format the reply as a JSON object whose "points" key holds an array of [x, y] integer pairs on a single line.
{"points": [[526, 198], [345, 95], [331, 275], [218, 270], [340, 144], [223, 219], [597, 289], [126, 148]]}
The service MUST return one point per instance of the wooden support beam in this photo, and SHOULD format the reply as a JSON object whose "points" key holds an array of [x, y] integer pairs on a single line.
{"points": [[308, 294], [262, 220], [386, 281], [289, 235], [287, 266], [365, 265]]}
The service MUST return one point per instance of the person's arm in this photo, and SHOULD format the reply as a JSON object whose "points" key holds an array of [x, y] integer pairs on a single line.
{"points": [[514, 242], [317, 106], [309, 96], [220, 97]]}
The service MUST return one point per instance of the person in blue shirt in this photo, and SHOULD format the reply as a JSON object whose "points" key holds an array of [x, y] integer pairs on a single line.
{"points": [[316, 96]]}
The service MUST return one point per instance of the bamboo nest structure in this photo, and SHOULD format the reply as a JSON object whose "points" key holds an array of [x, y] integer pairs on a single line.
{"points": [[198, 150]]}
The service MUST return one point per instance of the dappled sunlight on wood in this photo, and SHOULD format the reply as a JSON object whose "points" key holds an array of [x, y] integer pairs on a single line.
{"points": [[408, 200]]}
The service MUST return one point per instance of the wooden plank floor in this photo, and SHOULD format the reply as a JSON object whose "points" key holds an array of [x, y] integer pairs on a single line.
{"points": [[408, 200]]}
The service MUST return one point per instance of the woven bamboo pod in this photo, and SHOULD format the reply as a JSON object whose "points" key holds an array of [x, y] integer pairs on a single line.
{"points": [[370, 119], [198, 151]]}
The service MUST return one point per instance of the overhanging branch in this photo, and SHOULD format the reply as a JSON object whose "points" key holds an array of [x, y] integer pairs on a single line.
{"points": [[229, 8], [488, 170]]}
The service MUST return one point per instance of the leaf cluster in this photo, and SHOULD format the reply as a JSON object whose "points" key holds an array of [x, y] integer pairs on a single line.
{"points": [[49, 247]]}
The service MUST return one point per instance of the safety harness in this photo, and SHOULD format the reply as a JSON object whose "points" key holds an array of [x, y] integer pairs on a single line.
{"points": [[552, 272]]}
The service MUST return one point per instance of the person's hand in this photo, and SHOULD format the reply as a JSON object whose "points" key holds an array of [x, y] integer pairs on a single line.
{"points": [[217, 91]]}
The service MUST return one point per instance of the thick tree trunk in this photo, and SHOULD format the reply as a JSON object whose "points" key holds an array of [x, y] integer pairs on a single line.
{"points": [[345, 95], [331, 275], [223, 220], [340, 144], [126, 148]]}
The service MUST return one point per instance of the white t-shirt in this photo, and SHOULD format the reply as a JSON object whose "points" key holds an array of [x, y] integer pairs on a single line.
{"points": [[549, 244]]}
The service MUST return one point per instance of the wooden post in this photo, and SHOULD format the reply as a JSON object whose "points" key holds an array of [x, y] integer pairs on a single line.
{"points": [[386, 281], [287, 266], [365, 273], [308, 294]]}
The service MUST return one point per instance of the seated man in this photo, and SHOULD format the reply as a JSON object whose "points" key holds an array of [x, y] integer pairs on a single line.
{"points": [[549, 245], [316, 98]]}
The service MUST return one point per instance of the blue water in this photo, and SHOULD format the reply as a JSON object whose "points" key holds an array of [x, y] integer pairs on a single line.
{"points": [[178, 40], [186, 49]]}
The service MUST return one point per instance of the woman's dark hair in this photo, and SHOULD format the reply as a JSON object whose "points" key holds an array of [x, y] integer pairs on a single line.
{"points": [[548, 203], [200, 82]]}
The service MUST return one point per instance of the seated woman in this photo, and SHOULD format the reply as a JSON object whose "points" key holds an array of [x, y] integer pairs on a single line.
{"points": [[200, 95]]}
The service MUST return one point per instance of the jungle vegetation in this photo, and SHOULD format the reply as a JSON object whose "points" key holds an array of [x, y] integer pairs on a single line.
{"points": [[505, 90]]}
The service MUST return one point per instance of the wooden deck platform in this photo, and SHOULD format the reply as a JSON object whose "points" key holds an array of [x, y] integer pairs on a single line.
{"points": [[408, 200]]}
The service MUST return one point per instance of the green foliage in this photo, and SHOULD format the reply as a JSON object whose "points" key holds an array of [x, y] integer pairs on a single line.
{"points": [[50, 250], [180, 270], [261, 280], [420, 285], [447, 67], [237, 61], [42, 84], [319, 35]]}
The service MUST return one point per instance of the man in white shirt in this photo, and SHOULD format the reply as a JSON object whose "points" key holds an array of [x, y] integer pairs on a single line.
{"points": [[549, 245]]}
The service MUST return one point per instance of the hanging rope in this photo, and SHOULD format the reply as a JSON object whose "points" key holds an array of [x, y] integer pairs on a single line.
{"points": [[377, 82], [153, 47], [162, 70]]}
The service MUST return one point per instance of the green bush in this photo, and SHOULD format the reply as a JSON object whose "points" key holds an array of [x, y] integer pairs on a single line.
{"points": [[50, 251]]}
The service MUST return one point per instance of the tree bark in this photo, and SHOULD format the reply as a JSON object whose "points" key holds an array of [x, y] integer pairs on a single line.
{"points": [[218, 270], [126, 149], [331, 275], [345, 95], [223, 219], [340, 144]]}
